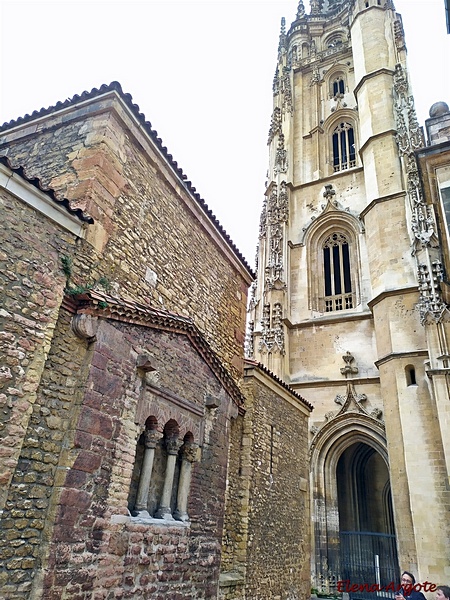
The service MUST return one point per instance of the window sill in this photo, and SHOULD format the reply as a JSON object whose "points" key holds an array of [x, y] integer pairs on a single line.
{"points": [[125, 519]]}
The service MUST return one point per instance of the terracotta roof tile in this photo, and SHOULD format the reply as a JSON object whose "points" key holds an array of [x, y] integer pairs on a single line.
{"points": [[4, 160], [283, 384]]}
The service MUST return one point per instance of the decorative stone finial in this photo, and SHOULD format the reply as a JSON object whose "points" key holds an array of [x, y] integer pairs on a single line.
{"points": [[348, 369], [300, 10], [329, 193], [438, 109], [282, 42], [315, 7]]}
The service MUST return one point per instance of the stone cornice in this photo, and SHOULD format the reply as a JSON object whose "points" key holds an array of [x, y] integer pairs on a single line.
{"points": [[388, 293], [380, 200], [400, 355], [325, 383], [30, 191], [103, 306], [365, 78], [325, 320]]}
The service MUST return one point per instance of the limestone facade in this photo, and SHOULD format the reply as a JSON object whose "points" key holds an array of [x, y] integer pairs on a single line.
{"points": [[348, 307]]}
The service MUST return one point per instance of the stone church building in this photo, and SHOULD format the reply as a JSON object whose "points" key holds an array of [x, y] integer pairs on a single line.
{"points": [[350, 303], [141, 454]]}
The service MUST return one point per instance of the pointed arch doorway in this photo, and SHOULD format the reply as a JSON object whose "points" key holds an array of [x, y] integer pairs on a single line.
{"points": [[367, 545], [354, 532]]}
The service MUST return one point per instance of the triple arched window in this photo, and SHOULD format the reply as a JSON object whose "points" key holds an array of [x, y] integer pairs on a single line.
{"points": [[162, 472], [344, 149]]}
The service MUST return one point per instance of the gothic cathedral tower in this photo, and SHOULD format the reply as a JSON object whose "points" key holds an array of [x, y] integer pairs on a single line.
{"points": [[347, 284]]}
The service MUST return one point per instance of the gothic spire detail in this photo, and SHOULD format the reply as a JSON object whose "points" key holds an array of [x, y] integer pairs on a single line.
{"points": [[315, 7], [300, 10], [282, 42]]}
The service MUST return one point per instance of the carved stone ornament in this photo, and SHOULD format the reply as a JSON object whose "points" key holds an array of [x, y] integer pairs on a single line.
{"points": [[315, 7], [329, 193], [348, 369], [85, 326], [281, 164], [286, 91], [423, 225], [151, 438], [189, 452], [300, 10], [275, 124], [430, 303], [399, 35], [272, 332], [263, 220], [249, 343], [277, 213], [172, 445], [315, 77]]}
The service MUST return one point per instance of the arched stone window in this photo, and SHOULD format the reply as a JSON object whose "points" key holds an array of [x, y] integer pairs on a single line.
{"points": [[337, 281], [344, 149], [333, 263]]}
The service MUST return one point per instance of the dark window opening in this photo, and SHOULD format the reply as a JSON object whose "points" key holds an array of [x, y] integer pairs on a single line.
{"points": [[410, 373]]}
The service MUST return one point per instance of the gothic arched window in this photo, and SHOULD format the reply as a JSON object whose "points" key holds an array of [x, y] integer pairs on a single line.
{"points": [[336, 273], [344, 150]]}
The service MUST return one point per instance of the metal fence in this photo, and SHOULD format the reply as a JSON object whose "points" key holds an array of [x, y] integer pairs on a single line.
{"points": [[368, 559]]}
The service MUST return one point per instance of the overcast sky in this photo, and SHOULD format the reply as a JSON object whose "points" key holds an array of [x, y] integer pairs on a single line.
{"points": [[201, 71]]}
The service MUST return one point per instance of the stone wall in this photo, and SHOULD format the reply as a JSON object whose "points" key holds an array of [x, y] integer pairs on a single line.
{"points": [[31, 288], [267, 517]]}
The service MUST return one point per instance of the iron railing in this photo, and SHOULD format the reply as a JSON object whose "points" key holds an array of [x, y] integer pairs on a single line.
{"points": [[368, 559]]}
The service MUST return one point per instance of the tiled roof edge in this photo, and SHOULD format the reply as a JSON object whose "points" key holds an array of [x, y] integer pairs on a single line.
{"points": [[135, 312], [261, 367], [127, 98], [37, 183]]}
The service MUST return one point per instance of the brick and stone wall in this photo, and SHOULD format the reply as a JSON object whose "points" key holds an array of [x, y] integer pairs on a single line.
{"points": [[68, 530]]}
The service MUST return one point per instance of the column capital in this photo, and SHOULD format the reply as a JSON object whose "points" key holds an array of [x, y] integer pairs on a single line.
{"points": [[189, 452], [151, 438], [173, 445]]}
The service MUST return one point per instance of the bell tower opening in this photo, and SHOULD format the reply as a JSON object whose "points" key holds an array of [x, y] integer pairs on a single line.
{"points": [[368, 552]]}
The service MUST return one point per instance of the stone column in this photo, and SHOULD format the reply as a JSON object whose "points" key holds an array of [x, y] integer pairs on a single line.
{"points": [[151, 437], [172, 447], [189, 455]]}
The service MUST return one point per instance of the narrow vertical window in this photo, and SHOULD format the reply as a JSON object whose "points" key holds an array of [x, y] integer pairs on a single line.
{"points": [[338, 87], [344, 151], [410, 373], [338, 293]]}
